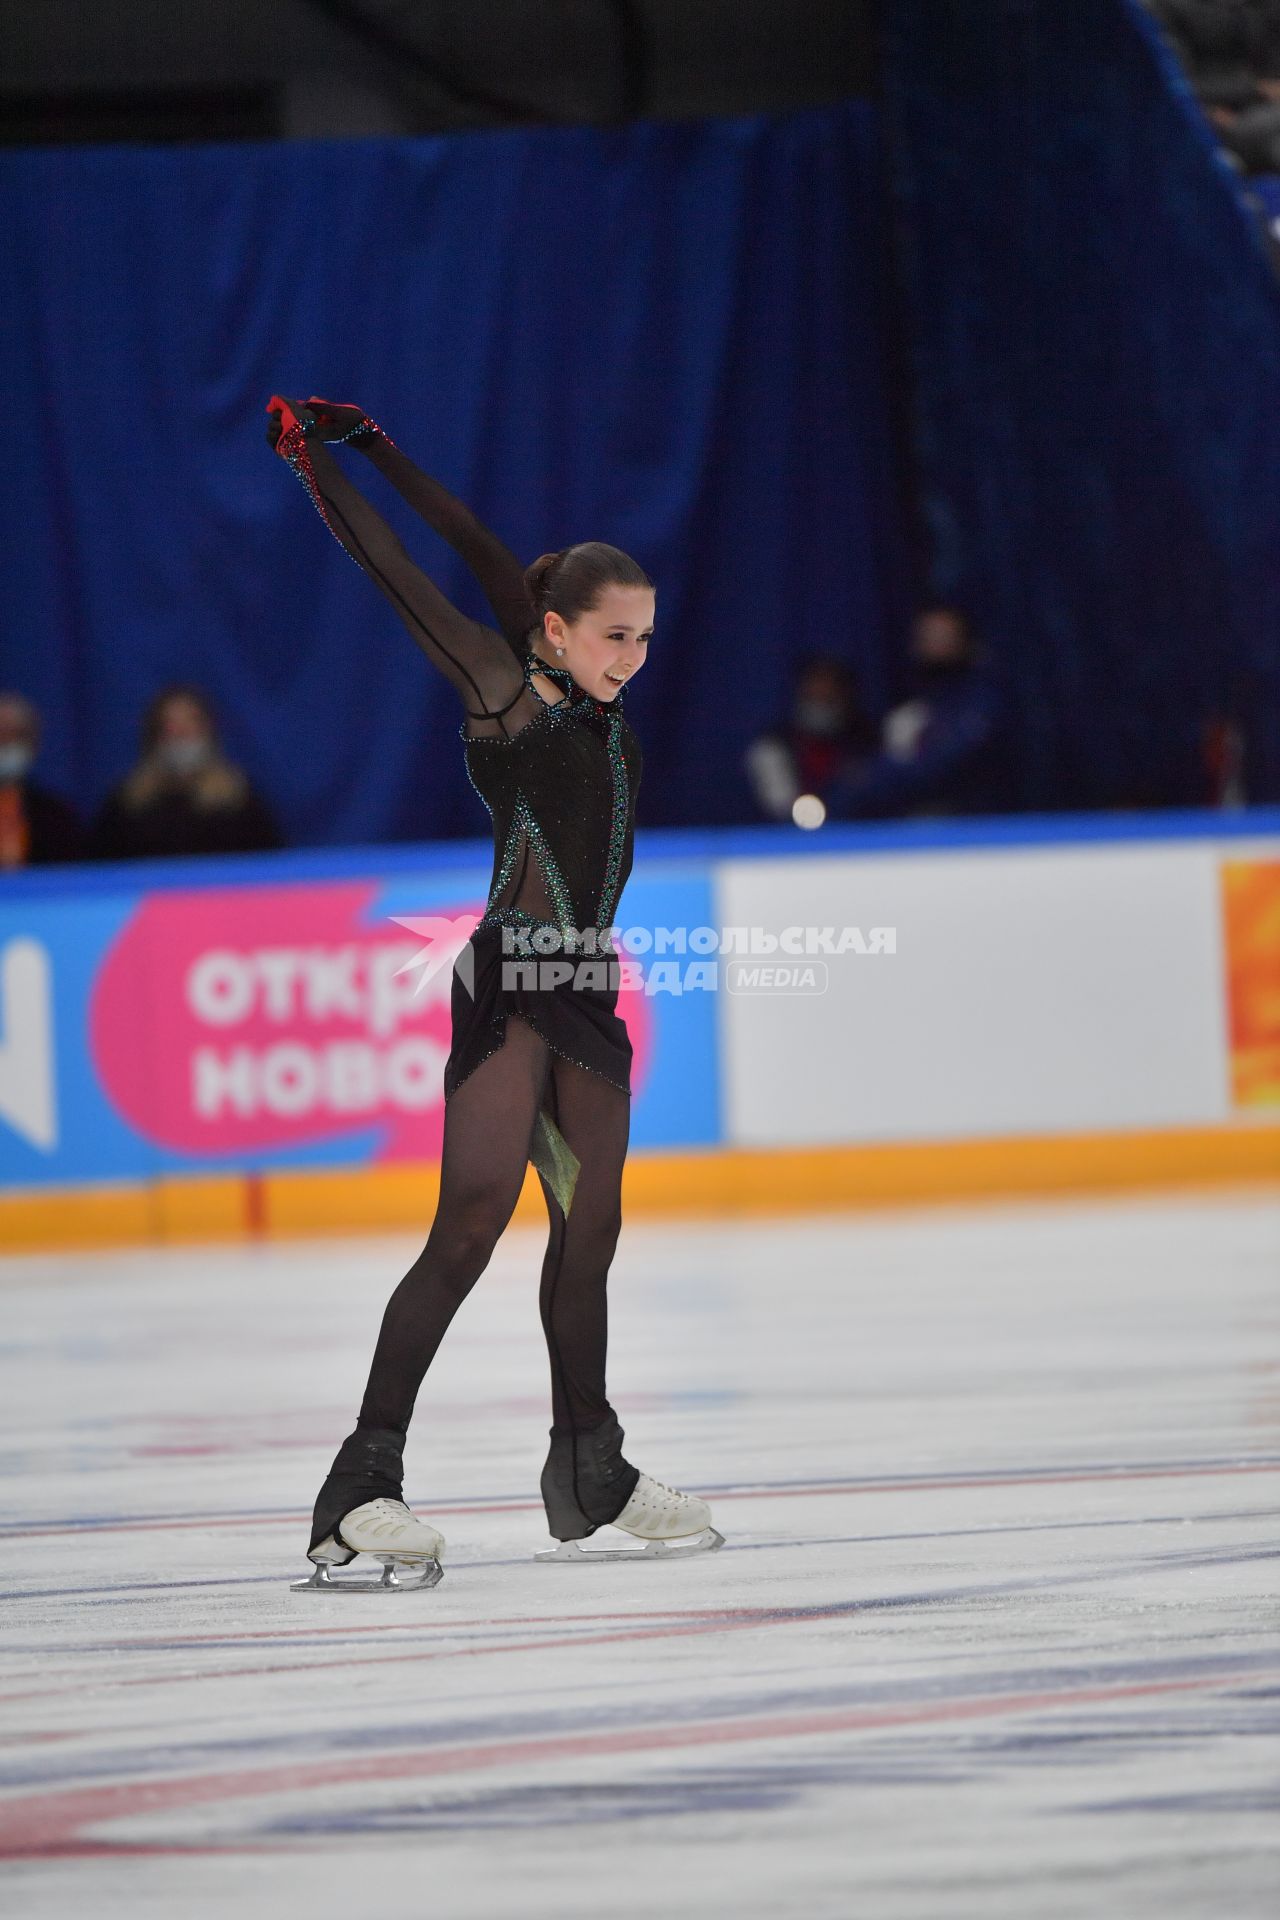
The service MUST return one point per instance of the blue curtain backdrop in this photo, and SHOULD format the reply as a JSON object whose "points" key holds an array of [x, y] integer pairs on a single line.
{"points": [[667, 337], [1096, 358]]}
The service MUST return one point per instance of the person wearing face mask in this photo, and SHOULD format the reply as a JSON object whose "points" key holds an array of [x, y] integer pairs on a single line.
{"points": [[826, 736], [36, 827], [182, 796], [940, 749]]}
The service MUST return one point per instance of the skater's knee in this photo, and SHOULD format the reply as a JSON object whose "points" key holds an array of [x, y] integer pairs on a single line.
{"points": [[598, 1234], [462, 1240], [591, 1245], [466, 1251]]}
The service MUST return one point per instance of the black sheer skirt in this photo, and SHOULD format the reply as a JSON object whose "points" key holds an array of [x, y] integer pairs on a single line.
{"points": [[578, 1019]]}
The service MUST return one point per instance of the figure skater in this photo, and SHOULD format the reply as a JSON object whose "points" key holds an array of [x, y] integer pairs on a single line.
{"points": [[540, 1063]]}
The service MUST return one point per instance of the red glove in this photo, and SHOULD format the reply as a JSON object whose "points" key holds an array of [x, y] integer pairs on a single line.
{"points": [[288, 417], [336, 421], [328, 420]]}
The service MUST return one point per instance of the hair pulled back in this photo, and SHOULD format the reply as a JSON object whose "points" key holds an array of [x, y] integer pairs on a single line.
{"points": [[571, 582]]}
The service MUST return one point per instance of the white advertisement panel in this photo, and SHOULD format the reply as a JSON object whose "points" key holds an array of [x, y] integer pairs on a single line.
{"points": [[1029, 990]]}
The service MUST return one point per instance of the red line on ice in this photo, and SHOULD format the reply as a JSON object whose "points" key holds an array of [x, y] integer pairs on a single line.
{"points": [[50, 1824], [706, 1620]]}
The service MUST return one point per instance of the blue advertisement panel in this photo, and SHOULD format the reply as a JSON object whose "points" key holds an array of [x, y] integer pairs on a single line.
{"points": [[290, 1022]]}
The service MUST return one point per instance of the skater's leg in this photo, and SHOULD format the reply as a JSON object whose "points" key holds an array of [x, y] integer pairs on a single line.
{"points": [[586, 1482], [595, 1119], [488, 1131]]}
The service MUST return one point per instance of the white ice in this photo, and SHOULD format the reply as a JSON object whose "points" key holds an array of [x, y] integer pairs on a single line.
{"points": [[994, 1633]]}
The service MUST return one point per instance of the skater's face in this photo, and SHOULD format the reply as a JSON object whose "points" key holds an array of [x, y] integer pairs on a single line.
{"points": [[606, 646]]}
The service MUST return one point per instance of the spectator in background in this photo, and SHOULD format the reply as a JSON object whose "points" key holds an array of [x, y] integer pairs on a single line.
{"points": [[824, 737], [940, 751], [183, 796], [1231, 52], [36, 827]]}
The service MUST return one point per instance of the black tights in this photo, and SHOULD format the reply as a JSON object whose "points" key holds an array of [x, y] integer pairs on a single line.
{"points": [[488, 1131]]}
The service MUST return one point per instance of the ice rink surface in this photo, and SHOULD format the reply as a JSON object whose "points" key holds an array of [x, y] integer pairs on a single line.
{"points": [[994, 1633]]}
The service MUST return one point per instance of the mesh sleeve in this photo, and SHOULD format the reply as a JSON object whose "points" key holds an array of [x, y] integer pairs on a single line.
{"points": [[495, 567], [479, 661]]}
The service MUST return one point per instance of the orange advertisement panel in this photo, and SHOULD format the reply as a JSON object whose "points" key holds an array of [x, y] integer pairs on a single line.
{"points": [[1251, 927]]}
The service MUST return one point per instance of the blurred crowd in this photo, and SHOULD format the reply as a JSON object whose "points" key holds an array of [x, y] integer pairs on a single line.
{"points": [[947, 746], [181, 796], [1231, 51], [940, 750]]}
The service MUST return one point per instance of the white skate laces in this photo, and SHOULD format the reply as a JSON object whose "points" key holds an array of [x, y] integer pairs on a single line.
{"points": [[656, 1511], [388, 1526]]}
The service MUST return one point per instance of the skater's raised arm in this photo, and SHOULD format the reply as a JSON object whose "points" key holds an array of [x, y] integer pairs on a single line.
{"points": [[477, 660], [495, 567]]}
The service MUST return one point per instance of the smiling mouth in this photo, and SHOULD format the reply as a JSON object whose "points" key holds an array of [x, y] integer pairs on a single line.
{"points": [[617, 681]]}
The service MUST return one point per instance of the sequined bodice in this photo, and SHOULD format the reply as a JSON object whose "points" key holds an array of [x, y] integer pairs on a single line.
{"points": [[561, 793]]}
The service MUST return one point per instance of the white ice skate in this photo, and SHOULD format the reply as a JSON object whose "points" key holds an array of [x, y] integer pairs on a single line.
{"points": [[670, 1524], [410, 1551]]}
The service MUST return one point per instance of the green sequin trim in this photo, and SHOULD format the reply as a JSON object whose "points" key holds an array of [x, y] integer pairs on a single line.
{"points": [[560, 711], [524, 822], [549, 714], [516, 917], [566, 708], [507, 865], [618, 824], [561, 676], [562, 905]]}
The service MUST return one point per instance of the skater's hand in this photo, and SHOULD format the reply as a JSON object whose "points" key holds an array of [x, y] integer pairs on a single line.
{"points": [[277, 420], [334, 420]]}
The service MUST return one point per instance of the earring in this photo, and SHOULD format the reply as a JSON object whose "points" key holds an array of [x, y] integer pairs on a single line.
{"points": [[559, 649]]}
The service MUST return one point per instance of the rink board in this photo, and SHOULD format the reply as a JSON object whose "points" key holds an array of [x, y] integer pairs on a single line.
{"points": [[229, 1047]]}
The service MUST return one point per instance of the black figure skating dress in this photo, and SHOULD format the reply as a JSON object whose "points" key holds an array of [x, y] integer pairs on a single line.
{"points": [[561, 792], [559, 779]]}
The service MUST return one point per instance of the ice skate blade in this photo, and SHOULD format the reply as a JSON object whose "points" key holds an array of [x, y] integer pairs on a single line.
{"points": [[682, 1548], [425, 1573]]}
